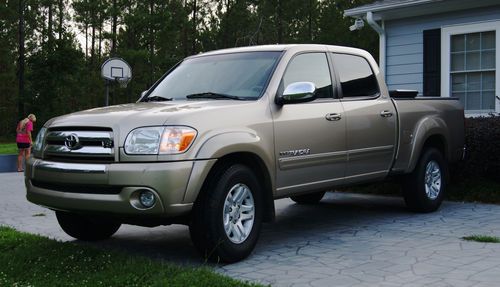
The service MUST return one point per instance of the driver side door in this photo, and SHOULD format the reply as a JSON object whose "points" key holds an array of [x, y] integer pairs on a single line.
{"points": [[310, 141]]}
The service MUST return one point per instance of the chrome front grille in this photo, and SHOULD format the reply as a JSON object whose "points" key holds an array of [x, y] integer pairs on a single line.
{"points": [[79, 146]]}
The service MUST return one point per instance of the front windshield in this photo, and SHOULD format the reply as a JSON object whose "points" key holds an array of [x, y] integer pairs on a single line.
{"points": [[239, 75]]}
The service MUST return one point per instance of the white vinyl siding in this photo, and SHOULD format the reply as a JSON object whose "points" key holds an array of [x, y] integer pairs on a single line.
{"points": [[404, 43]]}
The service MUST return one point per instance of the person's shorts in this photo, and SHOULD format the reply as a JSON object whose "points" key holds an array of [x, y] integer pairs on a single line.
{"points": [[23, 145]]}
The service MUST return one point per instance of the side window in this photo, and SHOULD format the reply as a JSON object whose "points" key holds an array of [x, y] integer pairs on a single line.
{"points": [[356, 76], [311, 67]]}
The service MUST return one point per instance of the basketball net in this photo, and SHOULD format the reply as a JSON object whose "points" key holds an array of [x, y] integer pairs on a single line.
{"points": [[123, 82]]}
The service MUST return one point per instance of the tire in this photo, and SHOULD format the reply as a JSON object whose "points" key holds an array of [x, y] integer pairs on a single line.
{"points": [[220, 229], [425, 187], [85, 228], [310, 198]]}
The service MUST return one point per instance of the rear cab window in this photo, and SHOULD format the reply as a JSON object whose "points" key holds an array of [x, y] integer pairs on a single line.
{"points": [[357, 80]]}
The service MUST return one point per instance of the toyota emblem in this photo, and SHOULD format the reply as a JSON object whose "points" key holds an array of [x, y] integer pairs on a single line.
{"points": [[72, 142]]}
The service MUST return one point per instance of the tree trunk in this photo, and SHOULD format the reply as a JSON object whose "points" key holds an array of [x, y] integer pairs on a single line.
{"points": [[151, 42], [184, 31], [86, 23], [49, 24], [20, 72], [92, 40], [310, 20], [100, 40], [113, 28], [86, 40], [61, 18], [280, 26], [224, 28], [195, 16]]}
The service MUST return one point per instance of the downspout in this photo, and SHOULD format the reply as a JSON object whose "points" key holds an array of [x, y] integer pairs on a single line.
{"points": [[381, 33]]}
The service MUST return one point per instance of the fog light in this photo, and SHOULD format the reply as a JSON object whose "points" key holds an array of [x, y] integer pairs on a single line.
{"points": [[147, 198]]}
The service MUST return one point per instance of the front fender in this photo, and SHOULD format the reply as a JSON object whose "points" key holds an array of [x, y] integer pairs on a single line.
{"points": [[220, 145], [230, 142]]}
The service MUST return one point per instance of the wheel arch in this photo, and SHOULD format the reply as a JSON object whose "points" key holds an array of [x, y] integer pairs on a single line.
{"points": [[435, 140], [257, 165], [430, 132]]}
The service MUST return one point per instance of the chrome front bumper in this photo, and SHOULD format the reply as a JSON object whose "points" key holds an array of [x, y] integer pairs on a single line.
{"points": [[109, 188]]}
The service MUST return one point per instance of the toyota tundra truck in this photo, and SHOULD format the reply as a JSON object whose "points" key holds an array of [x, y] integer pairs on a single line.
{"points": [[223, 134]]}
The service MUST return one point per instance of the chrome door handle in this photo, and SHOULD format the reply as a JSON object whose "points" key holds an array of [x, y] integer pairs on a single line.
{"points": [[333, 117], [386, 114]]}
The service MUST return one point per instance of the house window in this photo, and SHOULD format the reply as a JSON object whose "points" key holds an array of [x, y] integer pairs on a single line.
{"points": [[469, 61], [472, 70]]}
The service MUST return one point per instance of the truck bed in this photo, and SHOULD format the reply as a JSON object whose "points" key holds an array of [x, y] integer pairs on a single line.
{"points": [[433, 115]]}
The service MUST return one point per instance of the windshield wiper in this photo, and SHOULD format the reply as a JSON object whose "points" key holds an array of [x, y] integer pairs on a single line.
{"points": [[212, 95], [157, 99]]}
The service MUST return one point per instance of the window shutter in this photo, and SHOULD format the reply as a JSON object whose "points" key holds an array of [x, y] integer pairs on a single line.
{"points": [[432, 63]]}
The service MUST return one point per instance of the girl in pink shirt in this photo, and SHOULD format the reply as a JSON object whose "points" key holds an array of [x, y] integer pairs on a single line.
{"points": [[24, 139]]}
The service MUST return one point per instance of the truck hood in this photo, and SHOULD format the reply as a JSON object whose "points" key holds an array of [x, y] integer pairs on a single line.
{"points": [[124, 118]]}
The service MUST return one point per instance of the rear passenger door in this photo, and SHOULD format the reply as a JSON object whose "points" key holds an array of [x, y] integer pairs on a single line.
{"points": [[309, 137], [370, 119]]}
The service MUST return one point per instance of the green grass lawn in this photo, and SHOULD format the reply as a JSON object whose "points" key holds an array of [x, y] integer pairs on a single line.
{"points": [[482, 238], [8, 148], [31, 260]]}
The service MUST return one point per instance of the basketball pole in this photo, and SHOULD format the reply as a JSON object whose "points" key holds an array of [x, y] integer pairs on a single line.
{"points": [[106, 103], [115, 70]]}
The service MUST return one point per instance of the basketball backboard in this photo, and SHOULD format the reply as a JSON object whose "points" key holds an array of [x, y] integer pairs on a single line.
{"points": [[116, 69]]}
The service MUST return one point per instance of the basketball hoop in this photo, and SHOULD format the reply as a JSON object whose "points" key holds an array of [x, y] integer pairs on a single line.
{"points": [[115, 70], [123, 82]]}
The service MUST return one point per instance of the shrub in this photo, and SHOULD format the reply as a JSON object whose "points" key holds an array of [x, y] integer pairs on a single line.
{"points": [[482, 138]]}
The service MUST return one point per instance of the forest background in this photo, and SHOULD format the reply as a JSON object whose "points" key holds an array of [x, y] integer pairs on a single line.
{"points": [[51, 51]]}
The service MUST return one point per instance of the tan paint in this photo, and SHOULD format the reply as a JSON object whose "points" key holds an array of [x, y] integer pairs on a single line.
{"points": [[318, 154]]}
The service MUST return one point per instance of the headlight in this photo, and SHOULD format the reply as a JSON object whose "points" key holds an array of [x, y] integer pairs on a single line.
{"points": [[37, 146], [144, 140], [159, 140], [176, 139]]}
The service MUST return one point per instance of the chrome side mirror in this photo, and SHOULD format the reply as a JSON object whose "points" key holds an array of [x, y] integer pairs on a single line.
{"points": [[142, 95], [298, 92]]}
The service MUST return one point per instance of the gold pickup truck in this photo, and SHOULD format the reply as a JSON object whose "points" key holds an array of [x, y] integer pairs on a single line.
{"points": [[223, 134]]}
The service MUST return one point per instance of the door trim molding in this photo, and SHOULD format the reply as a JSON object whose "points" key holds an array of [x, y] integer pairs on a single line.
{"points": [[312, 159], [367, 152]]}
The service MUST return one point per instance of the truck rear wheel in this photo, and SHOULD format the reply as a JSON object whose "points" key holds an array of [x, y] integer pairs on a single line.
{"points": [[424, 188], [228, 214], [85, 228], [310, 198]]}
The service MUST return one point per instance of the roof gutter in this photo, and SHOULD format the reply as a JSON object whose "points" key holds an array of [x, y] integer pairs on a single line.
{"points": [[385, 6], [381, 32]]}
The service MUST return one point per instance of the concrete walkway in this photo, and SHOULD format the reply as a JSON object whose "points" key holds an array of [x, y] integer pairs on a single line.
{"points": [[346, 240]]}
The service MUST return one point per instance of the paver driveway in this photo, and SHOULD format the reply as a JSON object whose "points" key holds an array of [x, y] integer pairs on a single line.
{"points": [[346, 240]]}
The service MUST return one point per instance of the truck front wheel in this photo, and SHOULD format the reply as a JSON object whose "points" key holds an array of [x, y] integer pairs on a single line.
{"points": [[227, 217], [86, 228], [424, 188]]}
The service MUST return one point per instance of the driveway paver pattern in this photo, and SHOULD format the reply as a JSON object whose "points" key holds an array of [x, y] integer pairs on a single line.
{"points": [[345, 240]]}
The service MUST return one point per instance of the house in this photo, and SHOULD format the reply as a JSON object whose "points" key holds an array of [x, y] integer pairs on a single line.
{"points": [[439, 48]]}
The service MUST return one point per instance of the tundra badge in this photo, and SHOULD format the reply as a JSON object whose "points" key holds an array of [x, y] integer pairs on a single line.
{"points": [[295, 152]]}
